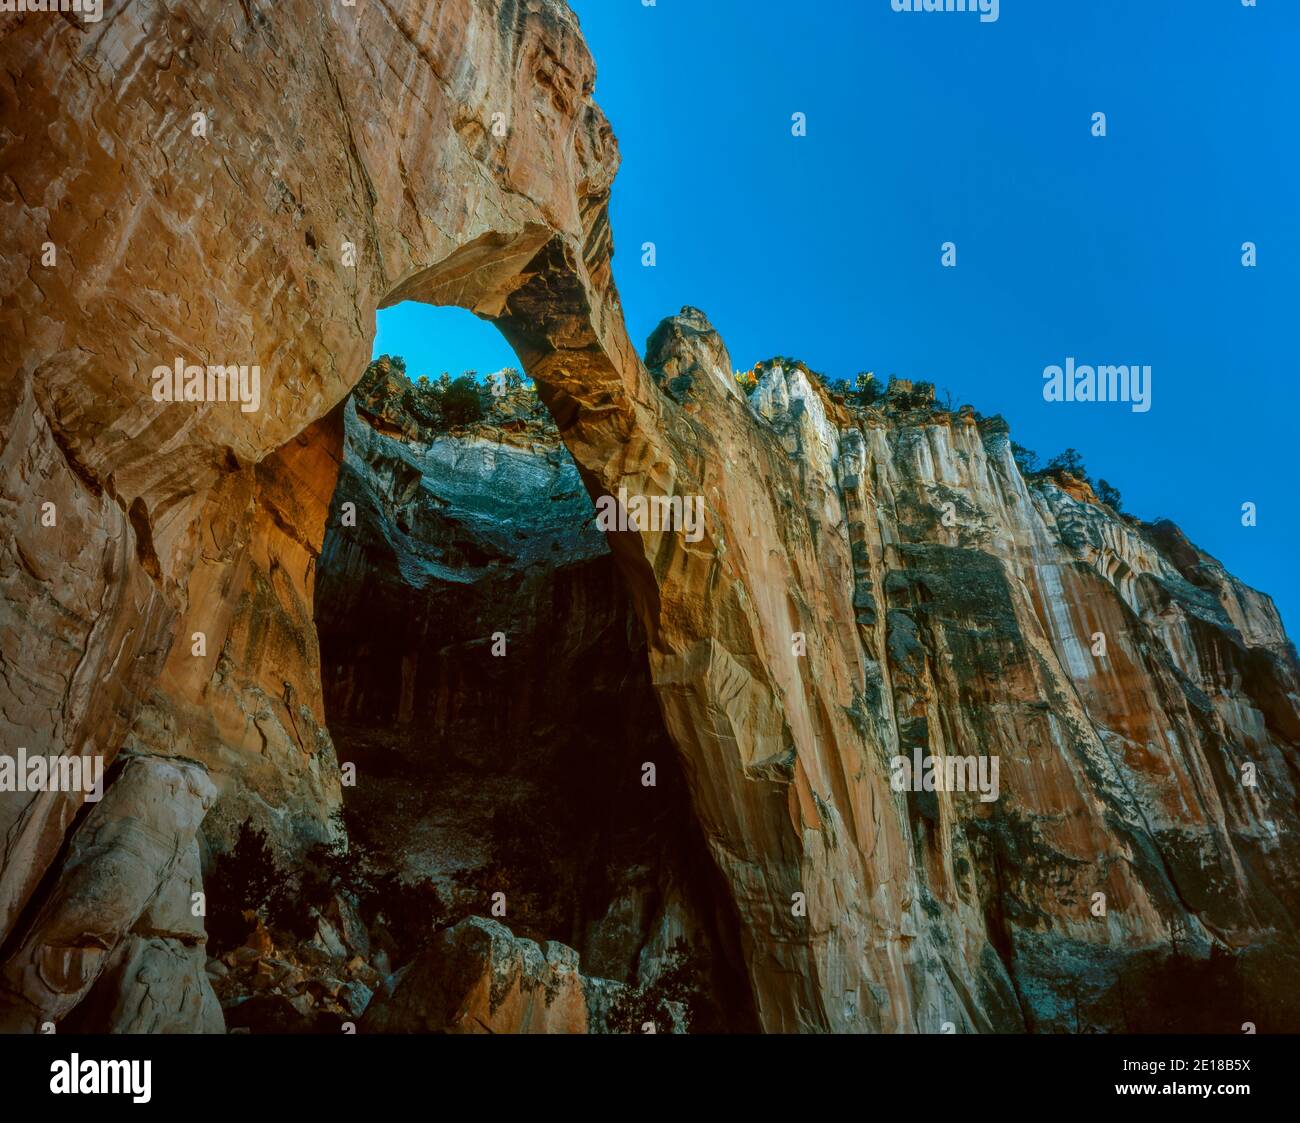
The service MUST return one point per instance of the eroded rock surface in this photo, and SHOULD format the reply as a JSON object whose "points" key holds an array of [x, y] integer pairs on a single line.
{"points": [[486, 675], [478, 978], [118, 917], [857, 907]]}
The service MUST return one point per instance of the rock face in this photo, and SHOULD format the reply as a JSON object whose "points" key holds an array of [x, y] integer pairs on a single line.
{"points": [[1122, 680], [117, 929], [865, 586], [477, 978], [485, 673]]}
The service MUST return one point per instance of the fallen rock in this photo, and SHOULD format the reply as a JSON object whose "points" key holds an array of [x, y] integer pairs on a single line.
{"points": [[356, 997], [478, 977]]}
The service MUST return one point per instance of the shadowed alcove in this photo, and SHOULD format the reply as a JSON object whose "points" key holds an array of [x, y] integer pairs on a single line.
{"points": [[484, 672]]}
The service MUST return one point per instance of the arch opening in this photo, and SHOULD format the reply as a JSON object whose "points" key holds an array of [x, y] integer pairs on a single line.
{"points": [[484, 671]]}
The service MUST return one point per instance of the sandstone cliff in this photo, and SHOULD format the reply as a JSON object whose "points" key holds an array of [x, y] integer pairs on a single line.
{"points": [[868, 583]]}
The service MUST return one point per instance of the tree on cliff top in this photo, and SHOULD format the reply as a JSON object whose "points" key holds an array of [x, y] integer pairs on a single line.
{"points": [[461, 403], [1071, 460], [867, 387], [1026, 460], [1109, 495]]}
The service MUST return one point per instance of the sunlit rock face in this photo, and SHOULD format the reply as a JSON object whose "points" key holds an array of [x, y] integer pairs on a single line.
{"points": [[369, 126], [833, 615], [1126, 685]]}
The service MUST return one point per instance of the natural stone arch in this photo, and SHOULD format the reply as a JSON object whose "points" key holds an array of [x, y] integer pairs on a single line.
{"points": [[137, 489], [380, 133], [379, 126], [721, 707]]}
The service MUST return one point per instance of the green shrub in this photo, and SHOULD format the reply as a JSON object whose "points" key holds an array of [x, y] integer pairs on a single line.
{"points": [[248, 879], [1026, 460], [681, 981], [1071, 460], [461, 404], [245, 878], [1110, 495]]}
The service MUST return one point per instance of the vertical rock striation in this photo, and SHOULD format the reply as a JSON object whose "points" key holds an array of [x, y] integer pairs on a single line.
{"points": [[857, 907], [486, 675]]}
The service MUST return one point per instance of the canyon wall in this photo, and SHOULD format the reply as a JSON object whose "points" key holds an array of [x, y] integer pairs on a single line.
{"points": [[486, 675], [866, 584]]}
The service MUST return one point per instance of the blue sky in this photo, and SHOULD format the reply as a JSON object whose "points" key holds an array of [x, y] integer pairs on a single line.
{"points": [[931, 127]]}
